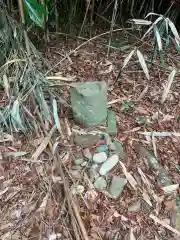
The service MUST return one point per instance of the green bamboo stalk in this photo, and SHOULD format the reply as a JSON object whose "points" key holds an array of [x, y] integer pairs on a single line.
{"points": [[45, 19], [21, 10], [57, 19]]}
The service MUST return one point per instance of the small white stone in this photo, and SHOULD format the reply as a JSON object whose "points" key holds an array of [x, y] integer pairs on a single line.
{"points": [[79, 189], [100, 157], [109, 164], [84, 164], [100, 183]]}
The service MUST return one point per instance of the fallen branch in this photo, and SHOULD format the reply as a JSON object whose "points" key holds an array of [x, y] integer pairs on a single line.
{"points": [[66, 79], [162, 174], [162, 223], [160, 134], [70, 201], [43, 145]]}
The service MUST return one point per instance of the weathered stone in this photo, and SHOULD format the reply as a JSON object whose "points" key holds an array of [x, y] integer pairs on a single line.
{"points": [[102, 148], [111, 119], [100, 183], [136, 207], [93, 172], [87, 140], [118, 148], [100, 157], [116, 186], [108, 164]]}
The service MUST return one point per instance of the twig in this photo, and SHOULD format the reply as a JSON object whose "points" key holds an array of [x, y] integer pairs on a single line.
{"points": [[162, 223], [66, 79], [114, 101], [161, 134], [81, 224]]}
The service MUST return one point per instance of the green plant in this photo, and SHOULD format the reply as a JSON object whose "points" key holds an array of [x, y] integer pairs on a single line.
{"points": [[163, 30], [35, 11], [125, 106]]}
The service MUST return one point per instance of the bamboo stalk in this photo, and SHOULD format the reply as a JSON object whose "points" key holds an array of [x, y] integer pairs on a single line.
{"points": [[112, 24], [46, 25], [20, 3], [57, 19], [9, 5], [45, 19], [85, 16], [92, 14]]}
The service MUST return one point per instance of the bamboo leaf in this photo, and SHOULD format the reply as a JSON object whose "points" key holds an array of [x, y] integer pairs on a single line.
{"points": [[15, 114], [126, 60], [167, 42], [177, 44], [143, 63], [6, 84], [174, 30], [55, 113], [158, 37], [141, 22], [15, 154], [35, 11], [168, 85], [42, 103], [2, 119], [45, 109], [151, 27], [166, 25], [154, 14], [43, 144]]}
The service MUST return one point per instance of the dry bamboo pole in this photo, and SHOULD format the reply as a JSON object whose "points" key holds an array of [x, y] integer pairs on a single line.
{"points": [[85, 16], [112, 24]]}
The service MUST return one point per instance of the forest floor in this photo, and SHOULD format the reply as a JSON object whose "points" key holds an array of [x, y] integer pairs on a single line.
{"points": [[37, 200]]}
